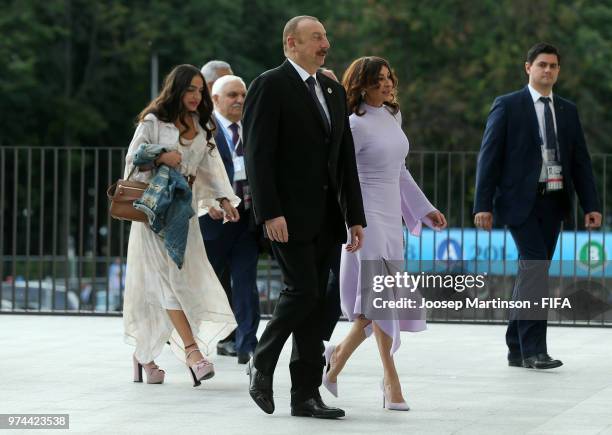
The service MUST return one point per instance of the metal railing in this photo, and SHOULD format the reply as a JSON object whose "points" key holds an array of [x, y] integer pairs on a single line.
{"points": [[61, 252]]}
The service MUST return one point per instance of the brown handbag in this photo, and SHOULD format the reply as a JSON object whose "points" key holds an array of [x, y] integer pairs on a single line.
{"points": [[122, 195]]}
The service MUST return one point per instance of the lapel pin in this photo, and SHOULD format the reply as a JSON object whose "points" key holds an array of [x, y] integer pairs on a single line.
{"points": [[329, 91]]}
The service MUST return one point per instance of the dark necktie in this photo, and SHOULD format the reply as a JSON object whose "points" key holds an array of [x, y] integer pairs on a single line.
{"points": [[311, 82], [235, 136], [240, 187], [549, 125]]}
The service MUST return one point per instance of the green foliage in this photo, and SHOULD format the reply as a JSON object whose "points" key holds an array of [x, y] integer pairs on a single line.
{"points": [[76, 72]]}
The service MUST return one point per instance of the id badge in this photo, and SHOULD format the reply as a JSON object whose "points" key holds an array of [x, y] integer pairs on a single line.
{"points": [[554, 177], [239, 171], [246, 199]]}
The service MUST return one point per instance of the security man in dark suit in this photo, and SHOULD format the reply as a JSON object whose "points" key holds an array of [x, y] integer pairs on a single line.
{"points": [[234, 243], [301, 165], [532, 159]]}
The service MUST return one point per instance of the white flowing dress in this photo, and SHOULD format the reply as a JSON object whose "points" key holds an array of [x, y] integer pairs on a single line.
{"points": [[153, 281]]}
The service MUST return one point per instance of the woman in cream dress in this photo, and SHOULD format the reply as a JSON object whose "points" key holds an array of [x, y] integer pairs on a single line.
{"points": [[186, 306]]}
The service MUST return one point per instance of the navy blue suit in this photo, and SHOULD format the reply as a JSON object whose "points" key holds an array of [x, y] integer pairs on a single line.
{"points": [[233, 244], [507, 184]]}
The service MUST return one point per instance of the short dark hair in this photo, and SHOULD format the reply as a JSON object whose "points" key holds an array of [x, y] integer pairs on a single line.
{"points": [[542, 47], [291, 27]]}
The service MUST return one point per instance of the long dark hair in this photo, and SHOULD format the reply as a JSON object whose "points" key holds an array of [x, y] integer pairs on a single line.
{"points": [[168, 106], [363, 74]]}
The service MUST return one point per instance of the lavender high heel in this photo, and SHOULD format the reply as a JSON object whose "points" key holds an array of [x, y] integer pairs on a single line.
{"points": [[201, 370], [155, 375], [392, 406], [332, 387]]}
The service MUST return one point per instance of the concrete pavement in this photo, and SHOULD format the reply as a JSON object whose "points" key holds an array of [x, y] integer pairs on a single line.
{"points": [[454, 377]]}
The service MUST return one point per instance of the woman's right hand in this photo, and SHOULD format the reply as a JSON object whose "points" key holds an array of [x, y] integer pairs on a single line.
{"points": [[170, 158]]}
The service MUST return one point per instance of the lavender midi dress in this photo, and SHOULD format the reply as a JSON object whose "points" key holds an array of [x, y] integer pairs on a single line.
{"points": [[389, 194]]}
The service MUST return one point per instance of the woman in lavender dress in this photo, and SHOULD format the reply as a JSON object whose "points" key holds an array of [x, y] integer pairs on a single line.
{"points": [[389, 193]]}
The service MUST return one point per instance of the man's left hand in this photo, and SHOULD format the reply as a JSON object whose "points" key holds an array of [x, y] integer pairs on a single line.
{"points": [[215, 213], [592, 220], [230, 211], [356, 241]]}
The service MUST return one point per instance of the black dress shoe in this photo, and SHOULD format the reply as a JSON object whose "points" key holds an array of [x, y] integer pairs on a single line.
{"points": [[315, 408], [260, 388], [244, 358], [541, 361], [515, 362], [226, 348]]}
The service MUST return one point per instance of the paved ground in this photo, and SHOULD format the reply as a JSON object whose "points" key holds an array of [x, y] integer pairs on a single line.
{"points": [[454, 377]]}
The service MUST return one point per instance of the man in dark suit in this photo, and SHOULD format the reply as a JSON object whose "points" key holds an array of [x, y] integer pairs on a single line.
{"points": [[301, 165], [234, 244], [333, 311], [532, 159], [212, 71]]}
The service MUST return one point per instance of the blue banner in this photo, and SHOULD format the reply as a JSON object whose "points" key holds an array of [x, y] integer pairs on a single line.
{"points": [[578, 253]]}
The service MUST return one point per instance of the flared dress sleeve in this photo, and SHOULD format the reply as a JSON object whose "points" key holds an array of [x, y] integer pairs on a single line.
{"points": [[415, 205], [212, 183], [144, 134]]}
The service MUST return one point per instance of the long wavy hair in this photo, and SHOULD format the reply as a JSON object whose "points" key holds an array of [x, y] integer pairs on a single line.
{"points": [[168, 106], [362, 75]]}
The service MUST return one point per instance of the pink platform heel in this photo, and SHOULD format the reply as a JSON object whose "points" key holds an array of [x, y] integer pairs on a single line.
{"points": [[201, 370], [332, 387], [392, 406], [155, 375]]}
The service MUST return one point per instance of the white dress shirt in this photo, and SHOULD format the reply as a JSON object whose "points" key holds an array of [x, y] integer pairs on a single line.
{"points": [[304, 76], [225, 123], [539, 109]]}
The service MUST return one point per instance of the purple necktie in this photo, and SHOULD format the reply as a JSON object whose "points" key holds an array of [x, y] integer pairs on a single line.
{"points": [[235, 136]]}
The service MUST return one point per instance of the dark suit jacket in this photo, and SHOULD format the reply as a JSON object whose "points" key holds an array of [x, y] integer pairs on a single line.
{"points": [[291, 162], [510, 159], [224, 151], [211, 228]]}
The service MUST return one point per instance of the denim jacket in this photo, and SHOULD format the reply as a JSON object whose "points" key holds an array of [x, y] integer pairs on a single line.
{"points": [[166, 202]]}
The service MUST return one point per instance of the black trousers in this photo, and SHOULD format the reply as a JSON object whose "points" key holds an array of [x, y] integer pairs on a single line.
{"points": [[535, 239], [300, 311], [333, 311]]}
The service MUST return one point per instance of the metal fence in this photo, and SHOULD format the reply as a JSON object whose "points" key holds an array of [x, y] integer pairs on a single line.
{"points": [[61, 252]]}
